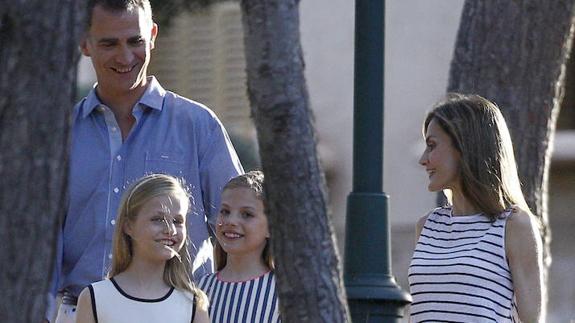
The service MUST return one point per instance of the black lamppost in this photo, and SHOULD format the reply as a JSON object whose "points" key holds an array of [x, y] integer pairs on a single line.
{"points": [[372, 292]]}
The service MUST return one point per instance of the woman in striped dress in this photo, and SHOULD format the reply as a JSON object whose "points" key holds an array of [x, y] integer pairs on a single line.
{"points": [[243, 289], [480, 258]]}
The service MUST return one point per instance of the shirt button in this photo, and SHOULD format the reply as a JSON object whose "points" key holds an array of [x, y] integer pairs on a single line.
{"points": [[116, 190], [114, 129], [119, 157], [113, 222], [110, 256]]}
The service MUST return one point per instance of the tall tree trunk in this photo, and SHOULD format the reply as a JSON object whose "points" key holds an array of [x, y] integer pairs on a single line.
{"points": [[309, 275], [514, 53], [38, 56]]}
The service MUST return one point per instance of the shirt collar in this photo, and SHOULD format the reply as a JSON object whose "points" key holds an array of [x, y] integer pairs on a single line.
{"points": [[153, 97]]}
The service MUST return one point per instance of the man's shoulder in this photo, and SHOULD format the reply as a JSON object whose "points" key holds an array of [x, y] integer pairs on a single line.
{"points": [[183, 105]]}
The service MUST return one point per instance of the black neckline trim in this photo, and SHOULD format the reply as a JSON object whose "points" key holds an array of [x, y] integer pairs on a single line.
{"points": [[145, 300]]}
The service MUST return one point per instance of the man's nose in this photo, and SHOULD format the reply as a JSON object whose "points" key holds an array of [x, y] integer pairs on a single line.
{"points": [[125, 55]]}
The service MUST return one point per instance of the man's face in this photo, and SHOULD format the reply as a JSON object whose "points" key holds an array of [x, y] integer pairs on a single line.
{"points": [[119, 44]]}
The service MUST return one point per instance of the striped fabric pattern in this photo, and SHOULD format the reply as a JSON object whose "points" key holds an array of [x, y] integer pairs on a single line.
{"points": [[238, 302], [459, 271]]}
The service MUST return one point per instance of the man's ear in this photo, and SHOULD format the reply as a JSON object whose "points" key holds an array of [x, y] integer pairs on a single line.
{"points": [[154, 35], [84, 46]]}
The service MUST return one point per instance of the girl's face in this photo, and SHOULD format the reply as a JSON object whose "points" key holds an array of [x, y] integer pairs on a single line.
{"points": [[159, 230], [440, 159], [242, 226]]}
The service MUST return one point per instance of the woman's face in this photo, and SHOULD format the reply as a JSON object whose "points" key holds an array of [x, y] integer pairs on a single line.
{"points": [[441, 159]]}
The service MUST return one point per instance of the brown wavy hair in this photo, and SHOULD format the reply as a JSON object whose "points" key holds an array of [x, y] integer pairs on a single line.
{"points": [[488, 170]]}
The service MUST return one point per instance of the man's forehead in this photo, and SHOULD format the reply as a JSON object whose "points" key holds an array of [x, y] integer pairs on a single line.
{"points": [[132, 15], [119, 24]]}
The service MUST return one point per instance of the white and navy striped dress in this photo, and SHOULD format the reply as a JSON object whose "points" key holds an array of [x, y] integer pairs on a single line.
{"points": [[253, 301], [459, 271]]}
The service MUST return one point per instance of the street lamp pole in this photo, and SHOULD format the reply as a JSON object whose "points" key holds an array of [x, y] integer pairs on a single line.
{"points": [[373, 295]]}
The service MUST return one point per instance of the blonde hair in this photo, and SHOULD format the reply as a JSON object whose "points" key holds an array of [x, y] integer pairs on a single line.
{"points": [[487, 167], [176, 273], [253, 180]]}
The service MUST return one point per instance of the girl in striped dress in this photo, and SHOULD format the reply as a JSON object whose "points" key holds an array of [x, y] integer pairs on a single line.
{"points": [[243, 289], [480, 258], [149, 281]]}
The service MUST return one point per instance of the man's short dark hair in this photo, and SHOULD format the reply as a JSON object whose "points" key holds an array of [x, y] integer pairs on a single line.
{"points": [[117, 5]]}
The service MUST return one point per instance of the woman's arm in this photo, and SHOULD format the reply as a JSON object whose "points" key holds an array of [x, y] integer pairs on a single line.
{"points": [[84, 312], [419, 226], [524, 252]]}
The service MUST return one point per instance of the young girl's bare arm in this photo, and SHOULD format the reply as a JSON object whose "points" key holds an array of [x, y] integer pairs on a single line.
{"points": [[84, 312]]}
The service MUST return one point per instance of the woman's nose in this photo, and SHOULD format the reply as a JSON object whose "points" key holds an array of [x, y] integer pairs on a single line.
{"points": [[423, 159]]}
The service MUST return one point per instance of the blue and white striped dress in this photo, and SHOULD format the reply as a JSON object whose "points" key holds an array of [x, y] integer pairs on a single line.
{"points": [[241, 302], [459, 270]]}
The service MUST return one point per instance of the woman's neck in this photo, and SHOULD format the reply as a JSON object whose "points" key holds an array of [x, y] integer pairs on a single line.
{"points": [[462, 205], [241, 268]]}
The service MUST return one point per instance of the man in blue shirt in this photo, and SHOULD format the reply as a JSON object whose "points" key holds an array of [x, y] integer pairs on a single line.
{"points": [[126, 127]]}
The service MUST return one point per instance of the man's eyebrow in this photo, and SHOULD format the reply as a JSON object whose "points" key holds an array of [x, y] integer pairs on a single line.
{"points": [[107, 40]]}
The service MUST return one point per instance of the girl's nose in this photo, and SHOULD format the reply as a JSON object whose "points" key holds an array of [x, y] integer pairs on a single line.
{"points": [[227, 220], [170, 227]]}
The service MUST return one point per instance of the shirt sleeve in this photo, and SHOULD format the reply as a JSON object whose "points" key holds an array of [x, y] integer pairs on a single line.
{"points": [[218, 165]]}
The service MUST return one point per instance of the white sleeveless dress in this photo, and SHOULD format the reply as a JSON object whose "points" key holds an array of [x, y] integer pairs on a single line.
{"points": [[110, 304]]}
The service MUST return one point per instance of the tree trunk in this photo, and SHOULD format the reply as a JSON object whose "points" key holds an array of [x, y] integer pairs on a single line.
{"points": [[310, 283], [38, 56], [514, 53]]}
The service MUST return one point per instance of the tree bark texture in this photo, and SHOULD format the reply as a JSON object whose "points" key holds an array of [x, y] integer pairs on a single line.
{"points": [[310, 282], [38, 58], [515, 53]]}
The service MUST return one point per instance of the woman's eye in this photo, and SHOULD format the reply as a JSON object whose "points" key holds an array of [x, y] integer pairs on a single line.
{"points": [[247, 214]]}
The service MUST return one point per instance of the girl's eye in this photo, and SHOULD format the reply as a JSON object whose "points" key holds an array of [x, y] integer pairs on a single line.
{"points": [[224, 212], [247, 214], [178, 221]]}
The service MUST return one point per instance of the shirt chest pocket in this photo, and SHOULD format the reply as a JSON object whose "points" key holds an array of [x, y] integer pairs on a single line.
{"points": [[165, 162]]}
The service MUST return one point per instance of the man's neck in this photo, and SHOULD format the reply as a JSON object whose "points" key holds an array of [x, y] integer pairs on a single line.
{"points": [[121, 103]]}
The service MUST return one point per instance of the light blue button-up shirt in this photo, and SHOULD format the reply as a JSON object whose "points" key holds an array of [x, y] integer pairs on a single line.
{"points": [[171, 135]]}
